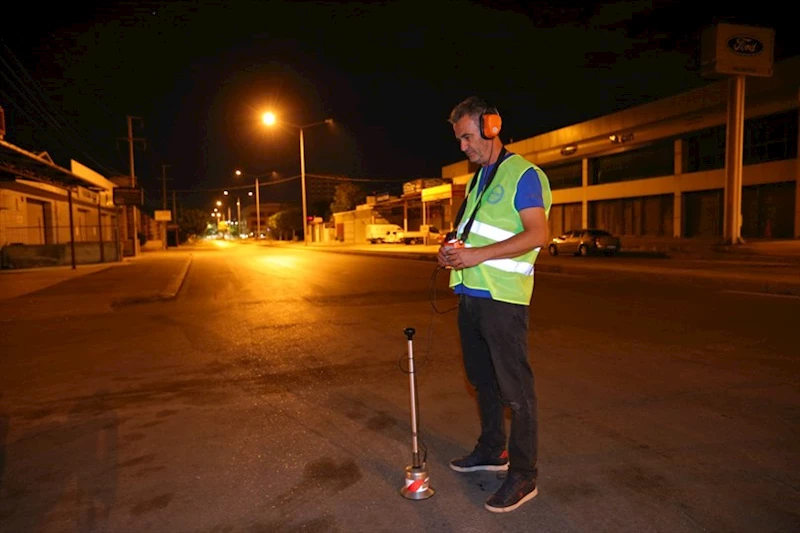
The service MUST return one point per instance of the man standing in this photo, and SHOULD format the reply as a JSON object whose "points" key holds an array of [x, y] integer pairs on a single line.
{"points": [[499, 231]]}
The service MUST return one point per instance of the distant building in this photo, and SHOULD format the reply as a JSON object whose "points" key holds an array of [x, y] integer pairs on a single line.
{"points": [[320, 191], [250, 216]]}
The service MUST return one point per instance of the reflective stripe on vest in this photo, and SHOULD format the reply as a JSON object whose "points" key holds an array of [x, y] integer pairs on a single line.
{"points": [[498, 234]]}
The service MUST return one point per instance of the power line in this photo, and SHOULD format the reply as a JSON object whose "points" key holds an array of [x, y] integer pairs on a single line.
{"points": [[39, 103], [291, 178], [346, 178], [240, 187]]}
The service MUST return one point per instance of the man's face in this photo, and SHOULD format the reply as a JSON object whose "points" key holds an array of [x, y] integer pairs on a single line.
{"points": [[476, 148]]}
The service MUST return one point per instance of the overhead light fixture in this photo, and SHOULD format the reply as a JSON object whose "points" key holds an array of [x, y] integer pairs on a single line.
{"points": [[569, 150]]}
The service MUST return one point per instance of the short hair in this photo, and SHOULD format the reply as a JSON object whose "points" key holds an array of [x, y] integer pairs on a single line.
{"points": [[473, 106]]}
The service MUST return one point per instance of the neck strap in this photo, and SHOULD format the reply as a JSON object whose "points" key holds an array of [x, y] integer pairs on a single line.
{"points": [[473, 183]]}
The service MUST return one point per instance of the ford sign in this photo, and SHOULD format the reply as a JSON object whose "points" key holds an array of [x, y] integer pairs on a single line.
{"points": [[745, 45]]}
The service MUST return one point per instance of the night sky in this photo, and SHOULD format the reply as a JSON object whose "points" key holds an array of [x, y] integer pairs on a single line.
{"points": [[200, 74]]}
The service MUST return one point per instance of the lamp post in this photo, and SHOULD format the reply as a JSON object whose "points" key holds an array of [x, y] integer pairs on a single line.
{"points": [[258, 208], [269, 119], [239, 217], [227, 206]]}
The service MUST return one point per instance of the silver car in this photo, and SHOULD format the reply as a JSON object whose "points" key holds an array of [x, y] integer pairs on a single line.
{"points": [[584, 242]]}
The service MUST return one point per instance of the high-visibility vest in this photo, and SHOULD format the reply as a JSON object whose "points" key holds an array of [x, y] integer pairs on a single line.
{"points": [[507, 280]]}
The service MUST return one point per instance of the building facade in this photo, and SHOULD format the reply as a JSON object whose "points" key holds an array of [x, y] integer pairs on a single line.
{"points": [[52, 216], [657, 171]]}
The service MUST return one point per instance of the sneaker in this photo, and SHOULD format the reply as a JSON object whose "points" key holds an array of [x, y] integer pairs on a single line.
{"points": [[481, 459], [515, 490]]}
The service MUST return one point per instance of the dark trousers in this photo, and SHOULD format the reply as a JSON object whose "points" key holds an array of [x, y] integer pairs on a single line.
{"points": [[494, 342]]}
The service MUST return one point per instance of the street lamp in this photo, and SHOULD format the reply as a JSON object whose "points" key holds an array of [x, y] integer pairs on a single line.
{"points": [[219, 204], [269, 119], [258, 204], [238, 217], [238, 211]]}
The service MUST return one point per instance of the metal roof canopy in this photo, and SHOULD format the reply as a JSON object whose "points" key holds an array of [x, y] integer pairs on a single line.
{"points": [[412, 200], [15, 160]]}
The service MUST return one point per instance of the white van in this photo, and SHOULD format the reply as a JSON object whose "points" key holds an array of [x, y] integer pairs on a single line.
{"points": [[388, 233]]}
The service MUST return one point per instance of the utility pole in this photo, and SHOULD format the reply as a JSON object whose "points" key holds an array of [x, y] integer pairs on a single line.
{"points": [[134, 210], [239, 217], [164, 202], [164, 186], [258, 213], [175, 218]]}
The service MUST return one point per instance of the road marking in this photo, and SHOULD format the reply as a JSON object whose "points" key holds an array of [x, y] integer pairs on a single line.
{"points": [[773, 295]]}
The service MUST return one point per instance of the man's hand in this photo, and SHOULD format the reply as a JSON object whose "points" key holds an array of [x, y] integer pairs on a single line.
{"points": [[533, 235], [442, 256], [459, 258]]}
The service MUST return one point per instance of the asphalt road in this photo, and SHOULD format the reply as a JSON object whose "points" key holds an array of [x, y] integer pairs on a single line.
{"points": [[270, 396]]}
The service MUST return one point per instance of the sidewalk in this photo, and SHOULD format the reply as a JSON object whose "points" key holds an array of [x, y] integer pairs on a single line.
{"points": [[755, 249], [154, 275]]}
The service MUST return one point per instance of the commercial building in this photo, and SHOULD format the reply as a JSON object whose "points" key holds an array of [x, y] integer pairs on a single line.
{"points": [[50, 215], [658, 170], [653, 173]]}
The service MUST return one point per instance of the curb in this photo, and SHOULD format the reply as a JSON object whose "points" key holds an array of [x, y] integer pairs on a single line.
{"points": [[715, 279], [175, 284], [170, 292]]}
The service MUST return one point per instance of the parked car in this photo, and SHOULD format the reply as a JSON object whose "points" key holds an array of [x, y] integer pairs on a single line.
{"points": [[380, 233], [585, 242], [426, 234]]}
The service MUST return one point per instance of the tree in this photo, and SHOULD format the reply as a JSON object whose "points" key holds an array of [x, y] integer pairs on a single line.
{"points": [[192, 222], [286, 223], [347, 197]]}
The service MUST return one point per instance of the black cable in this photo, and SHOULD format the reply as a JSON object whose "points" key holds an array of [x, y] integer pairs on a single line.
{"points": [[436, 310], [433, 292]]}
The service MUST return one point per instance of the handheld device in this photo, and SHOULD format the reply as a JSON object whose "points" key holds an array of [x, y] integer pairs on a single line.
{"points": [[453, 240]]}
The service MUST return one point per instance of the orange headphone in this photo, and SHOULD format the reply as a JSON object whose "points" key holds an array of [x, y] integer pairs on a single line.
{"points": [[490, 124]]}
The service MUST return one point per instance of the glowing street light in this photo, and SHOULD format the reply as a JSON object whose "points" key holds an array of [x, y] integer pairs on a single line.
{"points": [[269, 119], [258, 200]]}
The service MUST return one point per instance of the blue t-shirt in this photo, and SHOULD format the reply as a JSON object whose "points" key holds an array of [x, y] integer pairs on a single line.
{"points": [[529, 194]]}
